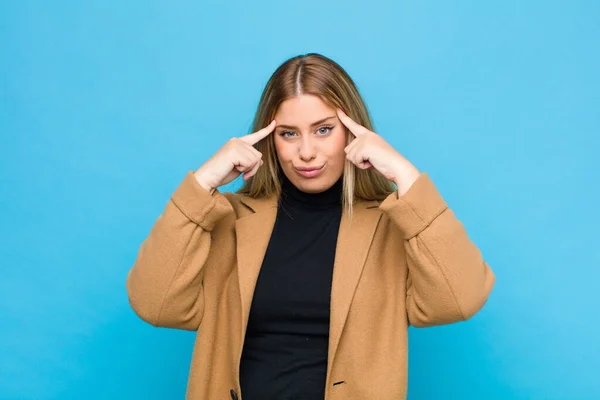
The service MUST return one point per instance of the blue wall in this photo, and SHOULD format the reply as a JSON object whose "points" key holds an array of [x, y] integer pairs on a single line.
{"points": [[105, 105]]}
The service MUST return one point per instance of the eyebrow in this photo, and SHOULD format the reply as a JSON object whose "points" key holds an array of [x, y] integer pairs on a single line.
{"points": [[311, 125]]}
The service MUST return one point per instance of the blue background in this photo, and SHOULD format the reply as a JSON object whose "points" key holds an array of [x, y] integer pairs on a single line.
{"points": [[105, 105]]}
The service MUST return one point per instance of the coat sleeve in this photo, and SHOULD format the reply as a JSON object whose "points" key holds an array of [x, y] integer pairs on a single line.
{"points": [[164, 285], [448, 280]]}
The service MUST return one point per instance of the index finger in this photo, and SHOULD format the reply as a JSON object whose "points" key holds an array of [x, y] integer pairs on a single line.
{"points": [[259, 135], [354, 127]]}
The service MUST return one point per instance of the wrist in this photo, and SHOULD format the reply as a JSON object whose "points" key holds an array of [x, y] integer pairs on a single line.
{"points": [[202, 183], [405, 180]]}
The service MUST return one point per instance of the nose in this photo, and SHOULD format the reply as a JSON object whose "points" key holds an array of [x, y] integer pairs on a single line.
{"points": [[307, 150]]}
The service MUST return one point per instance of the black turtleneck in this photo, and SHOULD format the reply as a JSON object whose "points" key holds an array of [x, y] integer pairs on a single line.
{"points": [[285, 349]]}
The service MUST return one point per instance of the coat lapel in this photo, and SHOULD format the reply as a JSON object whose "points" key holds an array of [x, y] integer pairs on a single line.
{"points": [[354, 241], [253, 233]]}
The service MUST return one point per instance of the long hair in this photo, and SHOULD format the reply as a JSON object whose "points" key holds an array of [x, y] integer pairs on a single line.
{"points": [[320, 76]]}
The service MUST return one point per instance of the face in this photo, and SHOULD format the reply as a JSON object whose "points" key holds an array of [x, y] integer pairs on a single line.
{"points": [[308, 136]]}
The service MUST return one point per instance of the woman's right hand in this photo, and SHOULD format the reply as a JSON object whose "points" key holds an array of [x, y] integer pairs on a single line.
{"points": [[236, 156]]}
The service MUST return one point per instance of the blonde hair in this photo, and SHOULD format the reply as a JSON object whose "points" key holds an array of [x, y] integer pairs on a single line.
{"points": [[320, 76]]}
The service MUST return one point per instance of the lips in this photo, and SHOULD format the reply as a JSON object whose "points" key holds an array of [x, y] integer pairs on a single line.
{"points": [[308, 168], [310, 172]]}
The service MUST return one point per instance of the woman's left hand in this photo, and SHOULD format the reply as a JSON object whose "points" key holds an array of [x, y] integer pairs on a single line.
{"points": [[368, 149]]}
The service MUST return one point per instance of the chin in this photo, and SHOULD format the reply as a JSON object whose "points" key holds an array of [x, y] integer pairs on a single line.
{"points": [[314, 186]]}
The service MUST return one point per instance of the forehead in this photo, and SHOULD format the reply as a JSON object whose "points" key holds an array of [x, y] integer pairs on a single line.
{"points": [[303, 110]]}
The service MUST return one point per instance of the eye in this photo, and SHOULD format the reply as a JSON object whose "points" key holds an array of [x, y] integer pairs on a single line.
{"points": [[325, 129], [322, 130]]}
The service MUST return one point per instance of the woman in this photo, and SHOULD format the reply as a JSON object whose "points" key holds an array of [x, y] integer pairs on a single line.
{"points": [[302, 284]]}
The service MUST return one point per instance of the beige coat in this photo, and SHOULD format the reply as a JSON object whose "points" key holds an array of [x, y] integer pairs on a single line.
{"points": [[403, 261]]}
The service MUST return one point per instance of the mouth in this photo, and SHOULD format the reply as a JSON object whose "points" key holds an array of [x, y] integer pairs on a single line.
{"points": [[309, 172]]}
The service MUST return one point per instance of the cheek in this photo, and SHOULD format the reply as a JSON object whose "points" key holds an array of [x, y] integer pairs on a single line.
{"points": [[284, 150], [338, 144]]}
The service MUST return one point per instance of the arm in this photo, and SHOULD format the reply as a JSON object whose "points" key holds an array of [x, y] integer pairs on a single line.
{"points": [[448, 280], [165, 283]]}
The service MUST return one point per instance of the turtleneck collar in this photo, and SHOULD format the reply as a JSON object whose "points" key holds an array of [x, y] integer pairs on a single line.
{"points": [[329, 198]]}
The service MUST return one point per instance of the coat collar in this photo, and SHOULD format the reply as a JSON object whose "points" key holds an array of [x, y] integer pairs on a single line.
{"points": [[253, 232]]}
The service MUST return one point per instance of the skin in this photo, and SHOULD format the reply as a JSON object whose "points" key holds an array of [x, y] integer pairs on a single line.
{"points": [[300, 143], [309, 133], [370, 150]]}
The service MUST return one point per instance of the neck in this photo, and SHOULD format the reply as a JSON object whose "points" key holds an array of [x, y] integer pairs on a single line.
{"points": [[329, 198]]}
